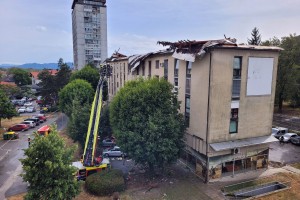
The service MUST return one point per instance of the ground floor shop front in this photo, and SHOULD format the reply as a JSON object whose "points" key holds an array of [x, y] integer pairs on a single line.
{"points": [[229, 163]]}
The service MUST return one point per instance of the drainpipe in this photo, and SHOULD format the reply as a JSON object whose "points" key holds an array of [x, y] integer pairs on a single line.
{"points": [[207, 118]]}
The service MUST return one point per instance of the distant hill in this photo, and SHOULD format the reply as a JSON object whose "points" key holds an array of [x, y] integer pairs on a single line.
{"points": [[35, 65]]}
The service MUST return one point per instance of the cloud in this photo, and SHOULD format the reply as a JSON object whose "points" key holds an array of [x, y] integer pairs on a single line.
{"points": [[41, 28], [130, 44]]}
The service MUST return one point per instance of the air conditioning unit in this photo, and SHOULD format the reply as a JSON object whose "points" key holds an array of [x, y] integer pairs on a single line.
{"points": [[235, 150]]}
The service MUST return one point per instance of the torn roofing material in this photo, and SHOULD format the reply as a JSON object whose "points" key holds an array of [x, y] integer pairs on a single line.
{"points": [[184, 49], [135, 60], [197, 47]]}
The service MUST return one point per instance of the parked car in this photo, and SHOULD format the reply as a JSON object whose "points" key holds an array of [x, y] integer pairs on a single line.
{"points": [[36, 120], [10, 135], [279, 131], [30, 109], [20, 102], [295, 140], [27, 104], [30, 123], [115, 151], [41, 118], [22, 110], [19, 127], [287, 137], [108, 143]]}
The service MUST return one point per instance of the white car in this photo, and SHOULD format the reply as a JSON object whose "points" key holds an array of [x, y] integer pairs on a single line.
{"points": [[27, 104], [287, 137], [22, 110], [116, 151], [30, 109], [30, 123]]}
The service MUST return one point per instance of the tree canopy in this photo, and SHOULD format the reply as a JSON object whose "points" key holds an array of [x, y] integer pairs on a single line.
{"points": [[21, 76], [51, 84], [7, 110], [79, 121], [79, 90], [88, 73], [145, 119], [47, 169], [255, 37]]}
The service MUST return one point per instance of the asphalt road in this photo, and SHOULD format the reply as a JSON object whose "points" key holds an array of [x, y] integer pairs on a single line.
{"points": [[284, 153], [10, 153]]}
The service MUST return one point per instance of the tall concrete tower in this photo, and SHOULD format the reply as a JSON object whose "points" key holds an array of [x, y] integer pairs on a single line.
{"points": [[89, 24]]}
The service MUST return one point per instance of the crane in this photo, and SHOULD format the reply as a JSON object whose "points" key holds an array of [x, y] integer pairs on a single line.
{"points": [[89, 164]]}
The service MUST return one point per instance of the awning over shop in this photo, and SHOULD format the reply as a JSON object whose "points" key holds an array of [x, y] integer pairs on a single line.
{"points": [[220, 146]]}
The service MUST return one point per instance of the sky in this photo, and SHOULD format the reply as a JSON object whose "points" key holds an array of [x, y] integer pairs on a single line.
{"points": [[41, 31]]}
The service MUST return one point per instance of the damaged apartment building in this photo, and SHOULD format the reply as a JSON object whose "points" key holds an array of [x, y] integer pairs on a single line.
{"points": [[227, 94]]}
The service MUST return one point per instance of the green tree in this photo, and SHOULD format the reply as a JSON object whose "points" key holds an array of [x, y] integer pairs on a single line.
{"points": [[7, 110], [21, 76], [88, 73], [10, 90], [104, 127], [47, 169], [48, 86], [77, 89], [146, 122], [79, 121], [63, 75], [255, 37], [286, 74]]}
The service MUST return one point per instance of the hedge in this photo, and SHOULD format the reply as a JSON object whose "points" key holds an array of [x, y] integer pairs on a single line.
{"points": [[105, 182]]}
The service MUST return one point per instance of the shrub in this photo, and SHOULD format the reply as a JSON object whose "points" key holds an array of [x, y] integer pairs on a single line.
{"points": [[105, 182]]}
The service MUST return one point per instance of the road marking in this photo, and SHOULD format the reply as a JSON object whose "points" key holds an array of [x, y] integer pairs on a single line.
{"points": [[9, 182]]}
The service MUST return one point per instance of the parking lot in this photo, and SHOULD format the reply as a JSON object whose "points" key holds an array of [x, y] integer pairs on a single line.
{"points": [[284, 153]]}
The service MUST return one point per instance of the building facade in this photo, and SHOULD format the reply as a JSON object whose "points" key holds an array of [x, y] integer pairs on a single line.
{"points": [[89, 26], [227, 94]]}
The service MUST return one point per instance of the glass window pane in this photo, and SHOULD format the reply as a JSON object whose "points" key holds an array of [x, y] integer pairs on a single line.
{"points": [[233, 126], [237, 63], [236, 88]]}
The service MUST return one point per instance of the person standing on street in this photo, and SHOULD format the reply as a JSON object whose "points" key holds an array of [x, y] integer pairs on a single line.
{"points": [[281, 140]]}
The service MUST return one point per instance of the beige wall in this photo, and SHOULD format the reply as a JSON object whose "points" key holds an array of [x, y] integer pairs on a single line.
{"points": [[255, 112]]}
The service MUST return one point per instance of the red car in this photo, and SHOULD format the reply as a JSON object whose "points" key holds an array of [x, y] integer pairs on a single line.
{"points": [[19, 127], [41, 118]]}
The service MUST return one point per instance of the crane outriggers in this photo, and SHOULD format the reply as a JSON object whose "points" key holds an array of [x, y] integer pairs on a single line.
{"points": [[91, 162]]}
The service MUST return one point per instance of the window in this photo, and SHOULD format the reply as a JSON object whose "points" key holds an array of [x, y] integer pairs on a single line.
{"points": [[137, 71], [176, 66], [188, 69], [236, 80], [187, 110], [166, 69], [157, 64], [143, 70], [149, 68], [233, 127]]}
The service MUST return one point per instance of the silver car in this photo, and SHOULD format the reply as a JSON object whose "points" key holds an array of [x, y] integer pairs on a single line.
{"points": [[114, 152], [287, 137], [22, 110], [30, 123], [30, 109]]}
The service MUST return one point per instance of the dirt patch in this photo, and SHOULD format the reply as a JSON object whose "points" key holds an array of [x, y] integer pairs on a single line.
{"points": [[296, 165], [17, 197]]}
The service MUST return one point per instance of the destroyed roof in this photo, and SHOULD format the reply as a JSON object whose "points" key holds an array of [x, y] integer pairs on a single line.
{"points": [[135, 60], [201, 47], [116, 57]]}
